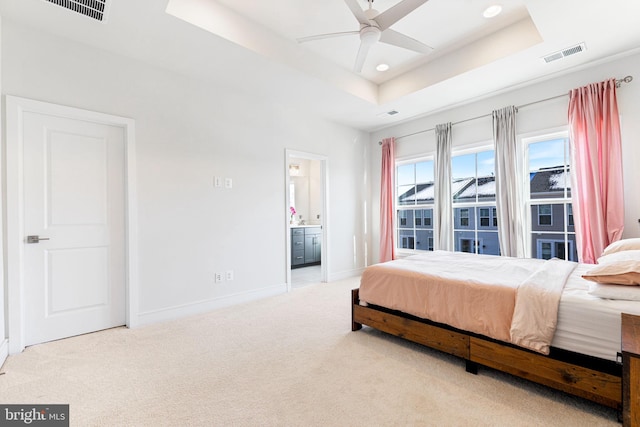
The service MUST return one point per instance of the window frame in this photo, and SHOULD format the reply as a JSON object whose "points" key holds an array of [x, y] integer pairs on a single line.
{"points": [[487, 216], [415, 208], [550, 215], [419, 210], [474, 148], [553, 243], [464, 217], [531, 138]]}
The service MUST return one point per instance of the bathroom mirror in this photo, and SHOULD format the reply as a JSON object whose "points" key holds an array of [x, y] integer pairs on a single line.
{"points": [[305, 191]]}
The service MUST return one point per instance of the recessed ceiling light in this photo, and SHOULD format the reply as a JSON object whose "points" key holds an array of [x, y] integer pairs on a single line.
{"points": [[492, 11], [382, 67]]}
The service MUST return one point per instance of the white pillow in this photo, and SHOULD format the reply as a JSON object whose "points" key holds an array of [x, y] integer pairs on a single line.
{"points": [[622, 245], [633, 255], [621, 292]]}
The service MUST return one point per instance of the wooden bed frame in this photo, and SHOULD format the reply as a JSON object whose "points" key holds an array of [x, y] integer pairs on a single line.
{"points": [[598, 380]]}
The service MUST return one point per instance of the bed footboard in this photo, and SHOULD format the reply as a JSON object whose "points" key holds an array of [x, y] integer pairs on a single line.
{"points": [[449, 341], [355, 300], [601, 383]]}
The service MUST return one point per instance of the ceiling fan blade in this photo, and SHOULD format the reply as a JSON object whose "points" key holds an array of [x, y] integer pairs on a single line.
{"points": [[327, 36], [397, 39], [357, 11], [362, 55], [397, 12]]}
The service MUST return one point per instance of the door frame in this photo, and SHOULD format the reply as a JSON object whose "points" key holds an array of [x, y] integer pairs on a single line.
{"points": [[14, 238], [324, 222]]}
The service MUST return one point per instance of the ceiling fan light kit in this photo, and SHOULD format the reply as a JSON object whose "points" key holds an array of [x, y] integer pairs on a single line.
{"points": [[370, 35], [375, 27]]}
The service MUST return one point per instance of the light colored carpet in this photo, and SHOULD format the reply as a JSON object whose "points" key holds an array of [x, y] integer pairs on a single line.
{"points": [[290, 360]]}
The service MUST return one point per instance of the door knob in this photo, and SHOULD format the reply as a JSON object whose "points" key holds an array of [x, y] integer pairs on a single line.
{"points": [[35, 239]]}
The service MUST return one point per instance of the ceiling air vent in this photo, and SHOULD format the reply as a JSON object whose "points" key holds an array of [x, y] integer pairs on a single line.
{"points": [[565, 52], [387, 113], [92, 8]]}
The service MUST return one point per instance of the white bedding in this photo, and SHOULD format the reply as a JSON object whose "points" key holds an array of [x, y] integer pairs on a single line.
{"points": [[588, 324]]}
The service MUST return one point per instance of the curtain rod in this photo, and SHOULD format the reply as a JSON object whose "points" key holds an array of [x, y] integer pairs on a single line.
{"points": [[619, 82]]}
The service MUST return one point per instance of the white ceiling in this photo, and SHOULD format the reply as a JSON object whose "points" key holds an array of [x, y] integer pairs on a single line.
{"points": [[252, 45], [441, 24]]}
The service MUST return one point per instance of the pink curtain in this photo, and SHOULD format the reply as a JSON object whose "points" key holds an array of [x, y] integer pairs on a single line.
{"points": [[387, 246], [596, 164]]}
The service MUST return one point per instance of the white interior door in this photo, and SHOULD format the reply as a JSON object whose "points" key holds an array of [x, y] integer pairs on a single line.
{"points": [[74, 282]]}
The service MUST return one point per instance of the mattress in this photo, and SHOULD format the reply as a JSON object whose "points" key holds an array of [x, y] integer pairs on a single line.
{"points": [[588, 324]]}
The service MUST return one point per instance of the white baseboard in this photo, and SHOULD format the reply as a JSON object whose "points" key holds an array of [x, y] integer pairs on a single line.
{"points": [[4, 351], [199, 307], [345, 274]]}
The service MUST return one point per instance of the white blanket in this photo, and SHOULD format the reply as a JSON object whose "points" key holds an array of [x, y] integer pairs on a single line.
{"points": [[535, 314]]}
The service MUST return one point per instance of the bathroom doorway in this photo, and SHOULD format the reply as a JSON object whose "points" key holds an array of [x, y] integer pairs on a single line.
{"points": [[306, 228]]}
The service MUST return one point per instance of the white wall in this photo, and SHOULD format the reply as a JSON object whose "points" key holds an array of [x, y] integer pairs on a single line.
{"points": [[187, 133], [538, 117]]}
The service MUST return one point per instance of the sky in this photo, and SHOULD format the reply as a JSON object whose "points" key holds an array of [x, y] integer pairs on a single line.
{"points": [[547, 153], [541, 155]]}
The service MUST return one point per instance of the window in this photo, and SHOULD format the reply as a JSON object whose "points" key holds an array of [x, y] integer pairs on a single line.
{"points": [[545, 249], [468, 245], [570, 215], [544, 215], [553, 248], [474, 202], [402, 217], [549, 200], [414, 204], [407, 242], [428, 220], [464, 217], [551, 230], [484, 217]]}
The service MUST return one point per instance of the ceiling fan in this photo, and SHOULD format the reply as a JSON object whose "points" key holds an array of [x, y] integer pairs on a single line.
{"points": [[374, 27]]}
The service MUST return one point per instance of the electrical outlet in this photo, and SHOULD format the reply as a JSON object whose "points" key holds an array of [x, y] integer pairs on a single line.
{"points": [[228, 183], [219, 277], [229, 275]]}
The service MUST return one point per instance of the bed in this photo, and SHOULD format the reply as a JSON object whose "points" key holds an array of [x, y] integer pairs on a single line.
{"points": [[545, 322]]}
